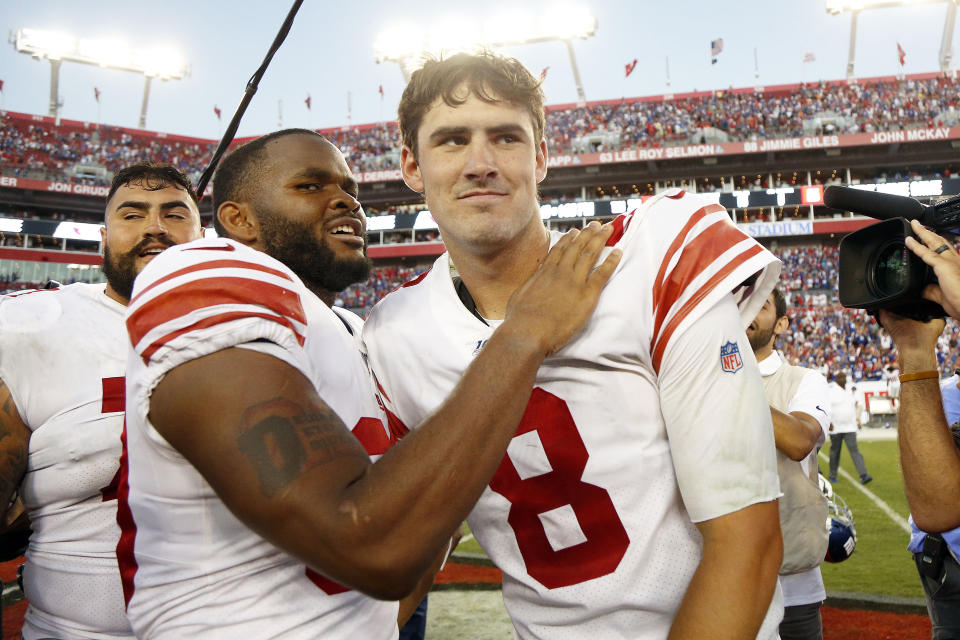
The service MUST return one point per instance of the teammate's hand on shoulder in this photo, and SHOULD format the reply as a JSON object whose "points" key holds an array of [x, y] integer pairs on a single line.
{"points": [[558, 299]]}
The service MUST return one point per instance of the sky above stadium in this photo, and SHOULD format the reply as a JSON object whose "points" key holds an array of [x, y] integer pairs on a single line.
{"points": [[329, 54]]}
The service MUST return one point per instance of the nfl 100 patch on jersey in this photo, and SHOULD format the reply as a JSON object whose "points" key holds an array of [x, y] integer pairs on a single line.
{"points": [[730, 360]]}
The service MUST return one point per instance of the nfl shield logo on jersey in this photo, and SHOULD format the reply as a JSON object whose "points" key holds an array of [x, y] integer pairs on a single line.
{"points": [[730, 360]]}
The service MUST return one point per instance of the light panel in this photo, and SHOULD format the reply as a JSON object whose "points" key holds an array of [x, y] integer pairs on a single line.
{"points": [[465, 33], [162, 62], [835, 7]]}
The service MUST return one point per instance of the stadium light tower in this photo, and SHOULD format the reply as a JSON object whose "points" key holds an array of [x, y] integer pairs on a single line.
{"points": [[836, 7], [407, 44], [163, 63]]}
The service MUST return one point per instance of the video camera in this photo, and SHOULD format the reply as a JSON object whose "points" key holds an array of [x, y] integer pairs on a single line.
{"points": [[877, 270]]}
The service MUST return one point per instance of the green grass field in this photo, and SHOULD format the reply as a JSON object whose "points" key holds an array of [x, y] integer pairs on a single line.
{"points": [[881, 564]]}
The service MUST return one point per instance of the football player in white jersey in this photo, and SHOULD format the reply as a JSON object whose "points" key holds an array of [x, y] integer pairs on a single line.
{"points": [[247, 507], [639, 496], [63, 353]]}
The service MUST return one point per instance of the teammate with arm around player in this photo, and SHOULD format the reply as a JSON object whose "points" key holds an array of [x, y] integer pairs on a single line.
{"points": [[248, 507]]}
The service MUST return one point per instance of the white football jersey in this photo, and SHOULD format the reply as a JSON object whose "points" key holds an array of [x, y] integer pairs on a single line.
{"points": [[62, 355], [653, 417], [190, 568]]}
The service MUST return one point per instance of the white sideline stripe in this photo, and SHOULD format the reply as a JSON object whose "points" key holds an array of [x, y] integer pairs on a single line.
{"points": [[466, 538], [896, 517]]}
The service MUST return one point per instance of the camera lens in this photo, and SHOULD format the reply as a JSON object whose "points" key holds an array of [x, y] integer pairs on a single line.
{"points": [[889, 272]]}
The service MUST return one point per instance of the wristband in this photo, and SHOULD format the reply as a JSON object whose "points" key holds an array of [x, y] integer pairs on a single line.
{"points": [[919, 375]]}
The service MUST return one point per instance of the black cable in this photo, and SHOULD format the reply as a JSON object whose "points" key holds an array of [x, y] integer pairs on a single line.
{"points": [[252, 86]]}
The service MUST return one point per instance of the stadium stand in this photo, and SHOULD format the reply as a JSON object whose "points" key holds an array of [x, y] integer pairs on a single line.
{"points": [[31, 147]]}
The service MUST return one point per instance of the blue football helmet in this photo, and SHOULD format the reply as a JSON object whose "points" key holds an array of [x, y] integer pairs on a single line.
{"points": [[843, 533]]}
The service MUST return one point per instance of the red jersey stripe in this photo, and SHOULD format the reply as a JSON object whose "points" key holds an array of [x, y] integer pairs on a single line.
{"points": [[126, 559], [397, 428], [678, 195], [415, 280], [212, 264], [664, 339], [620, 225], [678, 240], [209, 292], [372, 435], [697, 256], [215, 320]]}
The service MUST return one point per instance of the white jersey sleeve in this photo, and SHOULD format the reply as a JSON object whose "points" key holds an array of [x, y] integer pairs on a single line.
{"points": [[697, 258], [208, 295], [723, 469], [813, 399]]}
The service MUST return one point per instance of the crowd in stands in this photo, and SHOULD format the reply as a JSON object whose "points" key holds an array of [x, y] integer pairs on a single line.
{"points": [[28, 147], [36, 150]]}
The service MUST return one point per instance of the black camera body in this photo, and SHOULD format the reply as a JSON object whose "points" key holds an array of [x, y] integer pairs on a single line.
{"points": [[877, 269]]}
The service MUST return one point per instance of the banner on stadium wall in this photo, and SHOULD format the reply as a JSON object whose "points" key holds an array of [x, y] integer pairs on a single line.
{"points": [[97, 191], [760, 146], [784, 228]]}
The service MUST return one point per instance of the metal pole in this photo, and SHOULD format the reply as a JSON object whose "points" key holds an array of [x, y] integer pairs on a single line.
{"points": [[946, 42], [581, 96], [54, 87], [853, 43], [146, 99]]}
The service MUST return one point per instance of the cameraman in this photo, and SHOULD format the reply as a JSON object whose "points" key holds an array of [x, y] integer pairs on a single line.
{"points": [[930, 461]]}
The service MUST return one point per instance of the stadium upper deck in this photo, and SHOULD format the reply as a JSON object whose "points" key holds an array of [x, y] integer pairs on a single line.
{"points": [[631, 131]]}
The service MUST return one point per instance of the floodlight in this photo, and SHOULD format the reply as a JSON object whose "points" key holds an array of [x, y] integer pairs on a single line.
{"points": [[402, 44], [854, 7], [835, 7], [161, 62]]}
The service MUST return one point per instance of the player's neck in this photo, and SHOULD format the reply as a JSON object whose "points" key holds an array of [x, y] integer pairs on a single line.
{"points": [[491, 278], [764, 352], [326, 296], [113, 295]]}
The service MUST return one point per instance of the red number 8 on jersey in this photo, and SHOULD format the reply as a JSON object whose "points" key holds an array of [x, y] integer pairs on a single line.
{"points": [[606, 539]]}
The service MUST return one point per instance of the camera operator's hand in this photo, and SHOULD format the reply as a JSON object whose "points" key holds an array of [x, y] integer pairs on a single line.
{"points": [[916, 341], [946, 264]]}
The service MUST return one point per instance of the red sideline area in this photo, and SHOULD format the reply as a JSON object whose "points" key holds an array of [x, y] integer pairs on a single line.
{"points": [[838, 624]]}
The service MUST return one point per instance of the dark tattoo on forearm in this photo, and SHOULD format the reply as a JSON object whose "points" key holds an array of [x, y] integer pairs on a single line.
{"points": [[282, 441]]}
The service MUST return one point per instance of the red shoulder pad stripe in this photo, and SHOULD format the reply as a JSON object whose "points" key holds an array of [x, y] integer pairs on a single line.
{"points": [[678, 195], [215, 320], [620, 225], [663, 339], [698, 255], [213, 264], [697, 216], [209, 292]]}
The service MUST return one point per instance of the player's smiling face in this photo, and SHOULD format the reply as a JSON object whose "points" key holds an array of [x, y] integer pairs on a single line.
{"points": [[310, 217], [140, 222], [478, 165]]}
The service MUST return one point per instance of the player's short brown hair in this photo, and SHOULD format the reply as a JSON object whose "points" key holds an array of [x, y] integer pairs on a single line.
{"points": [[488, 76], [779, 302], [152, 177]]}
